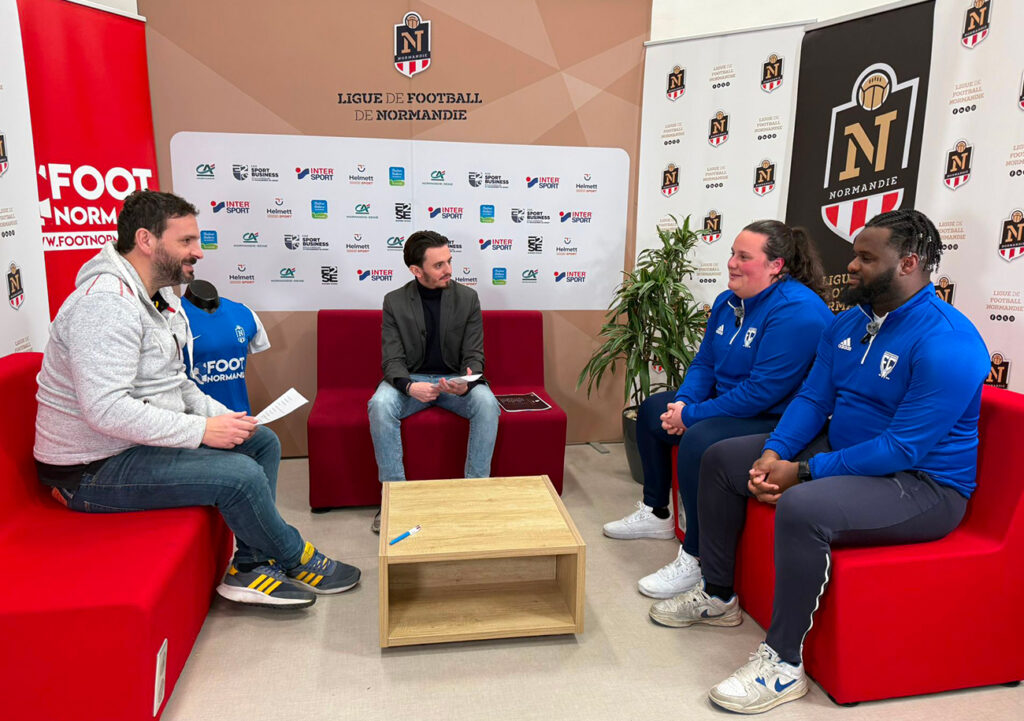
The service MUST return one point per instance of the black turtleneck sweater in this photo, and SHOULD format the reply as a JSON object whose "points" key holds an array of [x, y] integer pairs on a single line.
{"points": [[433, 362]]}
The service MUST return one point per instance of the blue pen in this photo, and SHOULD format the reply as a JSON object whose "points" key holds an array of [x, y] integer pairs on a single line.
{"points": [[404, 535]]}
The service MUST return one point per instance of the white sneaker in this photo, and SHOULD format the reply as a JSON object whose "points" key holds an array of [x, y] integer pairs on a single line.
{"points": [[672, 579], [763, 683], [641, 523], [696, 606]]}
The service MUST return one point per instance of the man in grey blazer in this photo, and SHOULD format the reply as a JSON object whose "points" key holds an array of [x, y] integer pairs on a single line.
{"points": [[432, 333]]}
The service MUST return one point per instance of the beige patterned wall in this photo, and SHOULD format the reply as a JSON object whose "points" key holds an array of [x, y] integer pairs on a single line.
{"points": [[549, 72]]}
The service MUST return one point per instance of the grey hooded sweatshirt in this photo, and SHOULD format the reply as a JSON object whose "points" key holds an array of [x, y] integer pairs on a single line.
{"points": [[112, 374]]}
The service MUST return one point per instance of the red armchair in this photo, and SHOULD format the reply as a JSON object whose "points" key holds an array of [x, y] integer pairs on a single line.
{"points": [[342, 467], [894, 620], [90, 599]]}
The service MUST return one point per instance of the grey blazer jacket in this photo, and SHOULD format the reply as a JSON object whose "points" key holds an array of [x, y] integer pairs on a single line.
{"points": [[404, 334]]}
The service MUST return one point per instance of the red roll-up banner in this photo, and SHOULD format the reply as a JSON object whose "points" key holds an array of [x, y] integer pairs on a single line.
{"points": [[92, 125]]}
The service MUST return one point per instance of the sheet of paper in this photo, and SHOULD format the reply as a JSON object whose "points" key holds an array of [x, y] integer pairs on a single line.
{"points": [[466, 379], [288, 402]]}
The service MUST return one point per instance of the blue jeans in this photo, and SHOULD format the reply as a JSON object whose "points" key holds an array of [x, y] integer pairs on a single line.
{"points": [[655, 446], [241, 483], [388, 407]]}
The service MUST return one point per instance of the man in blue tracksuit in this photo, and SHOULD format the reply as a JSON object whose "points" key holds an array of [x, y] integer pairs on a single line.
{"points": [[900, 374]]}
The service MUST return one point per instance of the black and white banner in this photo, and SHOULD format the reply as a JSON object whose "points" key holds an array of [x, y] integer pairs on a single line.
{"points": [[715, 137], [860, 118], [24, 316], [971, 181]]}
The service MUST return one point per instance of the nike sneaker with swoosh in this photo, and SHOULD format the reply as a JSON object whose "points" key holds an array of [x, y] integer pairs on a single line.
{"points": [[696, 606], [763, 683]]}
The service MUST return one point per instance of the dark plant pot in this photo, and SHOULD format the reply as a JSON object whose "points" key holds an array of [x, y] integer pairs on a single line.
{"points": [[636, 468]]}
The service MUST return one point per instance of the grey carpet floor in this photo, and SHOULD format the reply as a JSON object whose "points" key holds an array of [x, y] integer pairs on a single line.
{"points": [[325, 663]]}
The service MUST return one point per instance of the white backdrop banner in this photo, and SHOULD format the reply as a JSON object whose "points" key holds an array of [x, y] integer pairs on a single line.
{"points": [[24, 318], [715, 139], [303, 222], [971, 181]]}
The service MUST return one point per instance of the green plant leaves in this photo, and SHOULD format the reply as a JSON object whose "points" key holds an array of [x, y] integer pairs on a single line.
{"points": [[652, 318]]}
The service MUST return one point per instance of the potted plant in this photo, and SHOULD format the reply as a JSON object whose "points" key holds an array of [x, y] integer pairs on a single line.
{"points": [[652, 320]]}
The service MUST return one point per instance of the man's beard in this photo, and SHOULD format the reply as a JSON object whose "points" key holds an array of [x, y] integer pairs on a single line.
{"points": [[166, 270], [868, 293]]}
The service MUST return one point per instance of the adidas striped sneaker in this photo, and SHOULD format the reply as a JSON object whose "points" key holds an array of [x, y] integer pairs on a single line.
{"points": [[321, 574], [264, 585]]}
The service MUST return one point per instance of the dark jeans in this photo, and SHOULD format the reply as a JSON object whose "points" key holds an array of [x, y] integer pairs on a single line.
{"points": [[655, 446], [241, 483], [907, 507]]}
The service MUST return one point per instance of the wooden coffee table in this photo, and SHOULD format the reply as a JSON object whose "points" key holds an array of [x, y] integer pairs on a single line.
{"points": [[496, 558]]}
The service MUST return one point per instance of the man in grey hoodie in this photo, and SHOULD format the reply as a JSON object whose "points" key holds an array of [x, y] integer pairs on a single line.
{"points": [[120, 427]]}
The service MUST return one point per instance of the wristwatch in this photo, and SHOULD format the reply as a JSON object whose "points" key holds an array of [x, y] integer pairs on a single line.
{"points": [[803, 471]]}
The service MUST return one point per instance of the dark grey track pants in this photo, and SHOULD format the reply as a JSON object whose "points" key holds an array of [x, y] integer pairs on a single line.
{"points": [[908, 507]]}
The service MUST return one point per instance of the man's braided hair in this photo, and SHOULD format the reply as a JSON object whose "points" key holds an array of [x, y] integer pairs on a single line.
{"points": [[912, 232]]}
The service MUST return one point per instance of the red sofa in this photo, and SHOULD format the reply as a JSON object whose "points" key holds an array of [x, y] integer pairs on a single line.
{"points": [[342, 467], [89, 599], [919, 618]]}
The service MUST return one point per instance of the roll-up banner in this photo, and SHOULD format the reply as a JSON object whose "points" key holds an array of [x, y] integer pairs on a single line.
{"points": [[23, 315], [92, 124], [715, 137], [971, 181], [859, 121]]}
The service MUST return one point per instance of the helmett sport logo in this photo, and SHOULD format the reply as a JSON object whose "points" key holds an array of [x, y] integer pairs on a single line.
{"points": [[764, 177], [15, 290], [944, 289], [1011, 240], [718, 131], [712, 227], [676, 83], [999, 373], [976, 22], [771, 73], [412, 45], [869, 145], [888, 362], [670, 181], [958, 165]]}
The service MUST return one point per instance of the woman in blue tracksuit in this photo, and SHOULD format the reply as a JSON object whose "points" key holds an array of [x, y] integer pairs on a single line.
{"points": [[760, 341]]}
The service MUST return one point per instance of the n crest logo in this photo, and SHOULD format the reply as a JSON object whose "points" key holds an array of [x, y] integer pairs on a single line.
{"points": [[958, 165], [976, 23], [712, 227], [4, 164], [676, 83], [718, 131], [1011, 240], [944, 289], [869, 144], [15, 290], [889, 361], [771, 73], [764, 177], [412, 45], [749, 337], [670, 181], [1020, 100], [999, 374]]}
